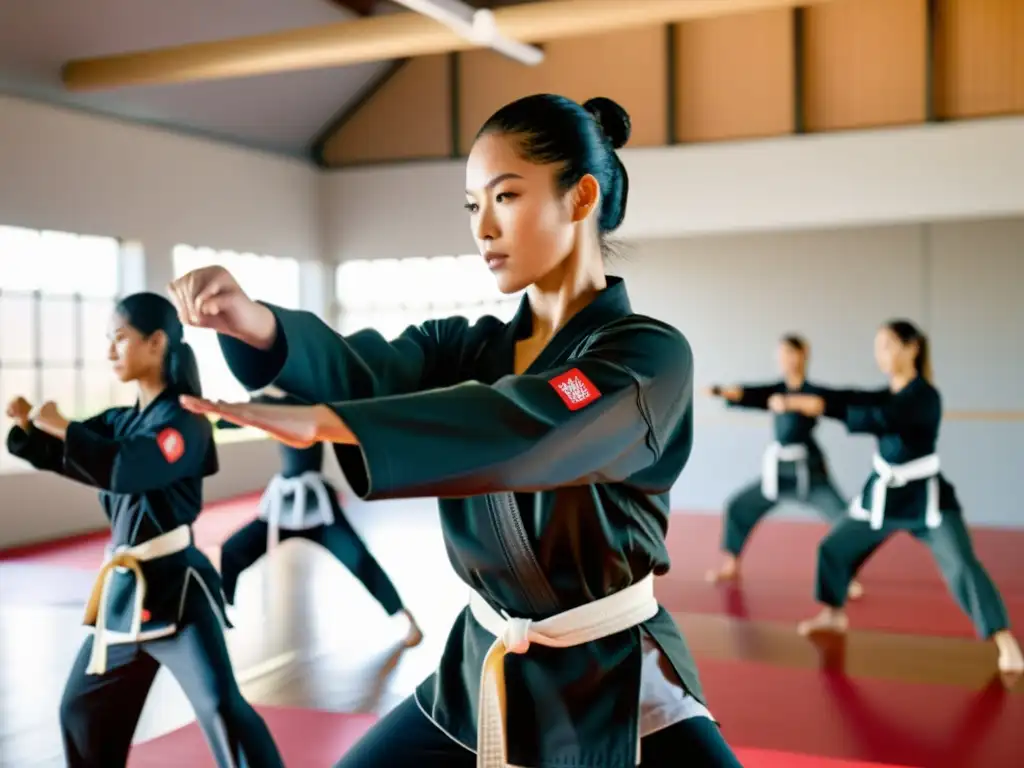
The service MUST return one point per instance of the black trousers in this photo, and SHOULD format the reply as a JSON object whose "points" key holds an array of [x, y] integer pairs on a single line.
{"points": [[98, 713], [406, 738], [748, 506], [249, 544], [852, 542]]}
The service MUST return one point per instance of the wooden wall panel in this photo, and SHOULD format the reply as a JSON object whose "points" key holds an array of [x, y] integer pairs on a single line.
{"points": [[408, 118], [979, 56], [864, 63], [629, 67], [734, 76]]}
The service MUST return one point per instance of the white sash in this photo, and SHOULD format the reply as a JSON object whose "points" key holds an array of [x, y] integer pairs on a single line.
{"points": [[897, 476], [775, 453], [583, 624], [272, 502], [127, 557]]}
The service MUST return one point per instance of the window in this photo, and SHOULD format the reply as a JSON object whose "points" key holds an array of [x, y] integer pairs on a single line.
{"points": [[268, 278], [389, 295], [51, 281]]}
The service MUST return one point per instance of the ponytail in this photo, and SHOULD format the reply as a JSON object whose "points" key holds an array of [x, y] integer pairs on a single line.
{"points": [[923, 359], [908, 333], [181, 370]]}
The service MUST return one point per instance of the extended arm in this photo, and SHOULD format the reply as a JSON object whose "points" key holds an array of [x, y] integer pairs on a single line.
{"points": [[313, 363], [602, 417], [167, 450]]}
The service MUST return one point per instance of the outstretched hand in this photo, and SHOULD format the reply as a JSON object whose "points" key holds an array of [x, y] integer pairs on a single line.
{"points": [[298, 426]]}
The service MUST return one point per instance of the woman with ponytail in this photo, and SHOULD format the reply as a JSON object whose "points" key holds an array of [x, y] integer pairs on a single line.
{"points": [[905, 491], [157, 600]]}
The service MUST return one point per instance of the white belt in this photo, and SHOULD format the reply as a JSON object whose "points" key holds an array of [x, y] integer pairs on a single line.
{"points": [[272, 502], [897, 476], [584, 624], [127, 557], [777, 452]]}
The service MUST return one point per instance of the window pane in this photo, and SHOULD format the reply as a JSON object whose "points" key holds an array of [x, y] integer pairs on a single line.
{"points": [[17, 328], [61, 386], [103, 255], [60, 329], [98, 390], [353, 284], [95, 322]]}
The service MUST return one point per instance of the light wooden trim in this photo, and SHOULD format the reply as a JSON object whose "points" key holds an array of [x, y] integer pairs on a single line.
{"points": [[394, 36]]}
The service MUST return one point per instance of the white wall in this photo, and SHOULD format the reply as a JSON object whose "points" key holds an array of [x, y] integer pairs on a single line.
{"points": [[924, 173], [734, 295], [79, 173]]}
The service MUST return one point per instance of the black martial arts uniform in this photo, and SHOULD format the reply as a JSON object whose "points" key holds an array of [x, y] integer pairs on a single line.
{"points": [[793, 468], [157, 599], [553, 489], [301, 502], [905, 491]]}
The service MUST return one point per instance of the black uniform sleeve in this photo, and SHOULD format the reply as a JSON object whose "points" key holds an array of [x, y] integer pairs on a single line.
{"points": [[880, 412], [173, 446], [601, 417], [45, 452], [39, 449], [756, 396], [312, 362]]}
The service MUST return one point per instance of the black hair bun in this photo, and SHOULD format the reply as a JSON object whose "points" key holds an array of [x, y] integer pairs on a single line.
{"points": [[612, 118]]}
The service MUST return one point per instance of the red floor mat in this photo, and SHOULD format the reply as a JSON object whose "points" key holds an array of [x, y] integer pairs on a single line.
{"points": [[810, 711], [905, 591], [316, 739]]}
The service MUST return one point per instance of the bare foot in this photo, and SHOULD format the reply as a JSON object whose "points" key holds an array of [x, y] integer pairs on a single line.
{"points": [[829, 620], [415, 635], [730, 571], [1011, 660], [855, 591]]}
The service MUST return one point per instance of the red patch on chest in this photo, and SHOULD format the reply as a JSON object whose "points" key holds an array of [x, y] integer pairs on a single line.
{"points": [[575, 389], [172, 444], [146, 616]]}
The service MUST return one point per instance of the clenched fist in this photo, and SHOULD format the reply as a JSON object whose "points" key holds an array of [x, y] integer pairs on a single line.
{"points": [[211, 298], [18, 410]]}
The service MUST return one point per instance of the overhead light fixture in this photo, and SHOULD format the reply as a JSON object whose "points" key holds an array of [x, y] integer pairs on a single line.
{"points": [[476, 24]]}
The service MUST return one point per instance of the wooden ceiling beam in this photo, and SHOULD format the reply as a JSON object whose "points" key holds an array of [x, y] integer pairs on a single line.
{"points": [[392, 36]]}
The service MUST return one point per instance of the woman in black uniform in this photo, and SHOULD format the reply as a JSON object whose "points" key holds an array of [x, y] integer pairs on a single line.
{"points": [[157, 599], [905, 491], [301, 502], [793, 466], [551, 442]]}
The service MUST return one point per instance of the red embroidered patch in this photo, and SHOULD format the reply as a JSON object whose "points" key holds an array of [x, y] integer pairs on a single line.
{"points": [[575, 389], [172, 444], [146, 615]]}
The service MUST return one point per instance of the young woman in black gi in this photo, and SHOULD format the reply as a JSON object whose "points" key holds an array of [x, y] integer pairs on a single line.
{"points": [[157, 600], [551, 441], [906, 490]]}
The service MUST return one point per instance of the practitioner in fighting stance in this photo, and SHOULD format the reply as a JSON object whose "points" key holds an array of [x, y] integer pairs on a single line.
{"points": [[157, 599], [301, 502], [793, 466], [551, 442], [905, 490]]}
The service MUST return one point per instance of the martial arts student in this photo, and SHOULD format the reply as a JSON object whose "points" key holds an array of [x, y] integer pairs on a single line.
{"points": [[793, 466], [157, 599], [300, 502], [905, 491], [551, 443]]}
